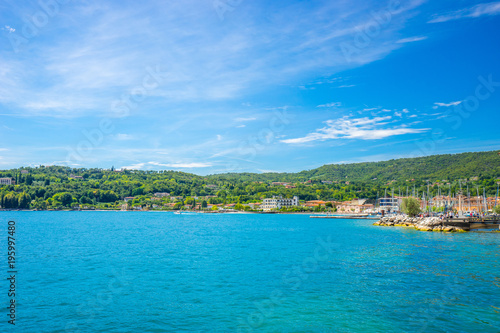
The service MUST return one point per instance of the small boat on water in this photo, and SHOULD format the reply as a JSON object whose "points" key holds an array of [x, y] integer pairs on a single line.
{"points": [[178, 212]]}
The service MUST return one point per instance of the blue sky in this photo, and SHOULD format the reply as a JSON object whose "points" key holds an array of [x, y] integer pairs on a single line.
{"points": [[211, 86]]}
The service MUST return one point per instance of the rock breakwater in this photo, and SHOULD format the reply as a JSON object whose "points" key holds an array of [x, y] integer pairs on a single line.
{"points": [[419, 223]]}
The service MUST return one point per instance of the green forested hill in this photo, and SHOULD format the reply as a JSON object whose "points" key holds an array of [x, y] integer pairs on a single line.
{"points": [[437, 167], [483, 165]]}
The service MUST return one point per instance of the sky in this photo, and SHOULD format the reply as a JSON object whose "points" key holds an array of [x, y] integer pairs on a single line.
{"points": [[215, 86]]}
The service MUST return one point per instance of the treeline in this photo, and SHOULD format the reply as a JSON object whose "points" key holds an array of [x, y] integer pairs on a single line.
{"points": [[59, 187]]}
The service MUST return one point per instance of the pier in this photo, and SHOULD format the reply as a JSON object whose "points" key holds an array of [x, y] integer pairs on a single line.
{"points": [[473, 223]]}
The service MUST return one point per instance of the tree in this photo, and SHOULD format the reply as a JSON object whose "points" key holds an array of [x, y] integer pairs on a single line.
{"points": [[10, 200], [24, 200], [203, 204], [39, 204], [496, 210], [64, 198], [410, 206]]}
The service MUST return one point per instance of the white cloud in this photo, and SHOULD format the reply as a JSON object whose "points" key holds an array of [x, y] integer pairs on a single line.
{"points": [[137, 166], [356, 128], [123, 137], [491, 8], [398, 114], [9, 29], [411, 39], [103, 50], [330, 105], [436, 105], [180, 165], [241, 126], [245, 119]]}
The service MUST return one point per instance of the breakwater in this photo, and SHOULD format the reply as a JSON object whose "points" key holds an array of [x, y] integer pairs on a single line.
{"points": [[419, 223]]}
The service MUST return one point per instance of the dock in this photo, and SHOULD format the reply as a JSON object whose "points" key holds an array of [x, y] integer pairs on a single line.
{"points": [[473, 223]]}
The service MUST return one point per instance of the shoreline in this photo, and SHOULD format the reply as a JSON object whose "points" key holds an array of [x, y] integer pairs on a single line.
{"points": [[313, 214]]}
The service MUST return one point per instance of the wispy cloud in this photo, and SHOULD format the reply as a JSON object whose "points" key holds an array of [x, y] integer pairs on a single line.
{"points": [[491, 8], [356, 128], [437, 104], [183, 165], [124, 137], [245, 119], [9, 29], [411, 39], [106, 55], [330, 105], [140, 166]]}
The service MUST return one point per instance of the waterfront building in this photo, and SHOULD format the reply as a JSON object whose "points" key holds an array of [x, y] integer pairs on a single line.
{"points": [[278, 202], [354, 206], [390, 204]]}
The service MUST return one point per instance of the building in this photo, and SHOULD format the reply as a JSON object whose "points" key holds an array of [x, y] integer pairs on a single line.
{"points": [[314, 203], [24, 171], [279, 202], [161, 194], [7, 181], [390, 204], [127, 199], [354, 206], [254, 205]]}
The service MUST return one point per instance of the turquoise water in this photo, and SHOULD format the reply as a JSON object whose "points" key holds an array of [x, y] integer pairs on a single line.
{"points": [[161, 272]]}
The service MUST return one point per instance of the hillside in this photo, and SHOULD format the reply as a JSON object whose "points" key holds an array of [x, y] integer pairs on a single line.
{"points": [[484, 165]]}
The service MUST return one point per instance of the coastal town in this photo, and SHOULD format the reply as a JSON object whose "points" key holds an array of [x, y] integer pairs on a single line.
{"points": [[370, 188], [457, 202]]}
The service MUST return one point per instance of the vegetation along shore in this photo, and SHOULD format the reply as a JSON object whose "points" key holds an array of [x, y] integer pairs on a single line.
{"points": [[345, 188]]}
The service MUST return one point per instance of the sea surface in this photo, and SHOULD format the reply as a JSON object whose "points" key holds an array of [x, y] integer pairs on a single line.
{"points": [[161, 272]]}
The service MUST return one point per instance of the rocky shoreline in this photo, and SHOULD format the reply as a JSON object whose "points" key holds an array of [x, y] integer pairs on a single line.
{"points": [[419, 223]]}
